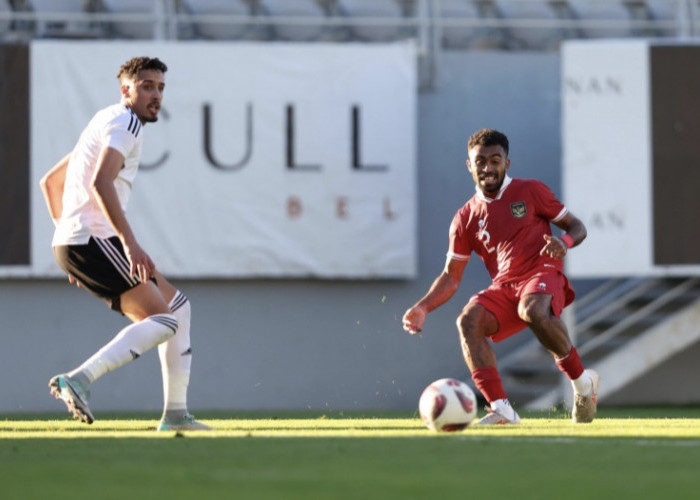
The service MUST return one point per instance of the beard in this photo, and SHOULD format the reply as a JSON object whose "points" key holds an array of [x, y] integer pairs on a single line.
{"points": [[491, 185]]}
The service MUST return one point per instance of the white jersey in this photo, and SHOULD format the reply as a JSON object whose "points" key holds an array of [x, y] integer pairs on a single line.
{"points": [[116, 127]]}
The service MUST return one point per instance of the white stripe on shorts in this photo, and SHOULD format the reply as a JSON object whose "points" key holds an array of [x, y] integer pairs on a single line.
{"points": [[117, 259]]}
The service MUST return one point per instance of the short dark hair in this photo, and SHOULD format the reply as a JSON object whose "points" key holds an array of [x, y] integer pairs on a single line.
{"points": [[488, 137], [132, 67]]}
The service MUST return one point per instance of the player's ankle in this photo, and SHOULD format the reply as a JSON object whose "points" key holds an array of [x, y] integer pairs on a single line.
{"points": [[583, 385], [504, 408]]}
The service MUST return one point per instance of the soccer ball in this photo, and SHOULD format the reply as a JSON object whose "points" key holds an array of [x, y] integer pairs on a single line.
{"points": [[447, 405]]}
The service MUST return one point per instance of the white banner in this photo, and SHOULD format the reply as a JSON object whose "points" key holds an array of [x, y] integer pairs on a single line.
{"points": [[289, 160], [622, 134], [606, 155]]}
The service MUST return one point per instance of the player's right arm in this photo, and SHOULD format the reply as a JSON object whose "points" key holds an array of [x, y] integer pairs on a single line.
{"points": [[442, 290], [52, 184], [109, 163]]}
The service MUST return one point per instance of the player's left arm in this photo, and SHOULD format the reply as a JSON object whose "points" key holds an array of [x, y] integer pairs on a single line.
{"points": [[109, 163], [574, 233]]}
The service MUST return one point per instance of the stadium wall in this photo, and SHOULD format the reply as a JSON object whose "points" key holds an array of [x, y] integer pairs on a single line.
{"points": [[323, 344]]}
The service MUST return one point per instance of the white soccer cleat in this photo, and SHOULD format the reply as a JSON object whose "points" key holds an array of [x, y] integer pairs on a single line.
{"points": [[495, 418], [586, 407]]}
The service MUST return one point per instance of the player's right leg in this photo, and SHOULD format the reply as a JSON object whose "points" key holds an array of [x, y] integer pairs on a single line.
{"points": [[475, 324], [152, 324], [101, 267]]}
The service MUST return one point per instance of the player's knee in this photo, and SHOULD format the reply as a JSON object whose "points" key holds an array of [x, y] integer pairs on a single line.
{"points": [[532, 313], [169, 323], [471, 324], [476, 320], [464, 323]]}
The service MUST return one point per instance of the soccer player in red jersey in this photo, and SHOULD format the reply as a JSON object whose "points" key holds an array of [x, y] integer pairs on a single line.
{"points": [[507, 224]]}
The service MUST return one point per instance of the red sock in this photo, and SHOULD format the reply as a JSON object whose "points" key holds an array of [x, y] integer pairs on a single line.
{"points": [[571, 364], [488, 381]]}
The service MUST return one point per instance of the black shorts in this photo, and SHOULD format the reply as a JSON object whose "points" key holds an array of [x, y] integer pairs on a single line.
{"points": [[100, 266]]}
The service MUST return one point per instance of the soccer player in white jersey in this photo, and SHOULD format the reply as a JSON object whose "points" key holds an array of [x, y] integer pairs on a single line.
{"points": [[87, 193]]}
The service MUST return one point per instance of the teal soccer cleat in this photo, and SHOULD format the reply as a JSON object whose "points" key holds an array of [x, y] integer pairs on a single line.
{"points": [[186, 423], [73, 395]]}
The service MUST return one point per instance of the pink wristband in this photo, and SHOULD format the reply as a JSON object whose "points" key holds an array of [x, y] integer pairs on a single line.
{"points": [[568, 240]]}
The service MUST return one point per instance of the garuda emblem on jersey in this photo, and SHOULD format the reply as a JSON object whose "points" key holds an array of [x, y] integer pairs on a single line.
{"points": [[518, 209]]}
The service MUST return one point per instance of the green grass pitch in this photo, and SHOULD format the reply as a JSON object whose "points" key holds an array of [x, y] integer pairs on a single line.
{"points": [[626, 453]]}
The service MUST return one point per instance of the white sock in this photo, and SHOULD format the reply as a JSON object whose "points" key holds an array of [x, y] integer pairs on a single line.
{"points": [[130, 343], [176, 358], [583, 385], [503, 407]]}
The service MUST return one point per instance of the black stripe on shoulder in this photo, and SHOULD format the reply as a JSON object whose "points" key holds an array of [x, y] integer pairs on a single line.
{"points": [[134, 124]]}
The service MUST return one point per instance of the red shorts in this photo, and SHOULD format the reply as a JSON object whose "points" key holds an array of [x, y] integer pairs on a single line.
{"points": [[502, 299]]}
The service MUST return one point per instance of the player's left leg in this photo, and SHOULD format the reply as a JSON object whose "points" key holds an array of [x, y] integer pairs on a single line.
{"points": [[176, 360], [537, 310]]}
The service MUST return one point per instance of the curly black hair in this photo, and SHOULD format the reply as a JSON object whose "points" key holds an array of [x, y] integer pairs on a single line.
{"points": [[488, 137], [132, 67]]}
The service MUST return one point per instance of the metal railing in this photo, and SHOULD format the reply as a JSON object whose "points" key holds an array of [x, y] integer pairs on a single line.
{"points": [[423, 19]]}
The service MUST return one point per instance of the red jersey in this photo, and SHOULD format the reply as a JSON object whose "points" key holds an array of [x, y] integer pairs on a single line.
{"points": [[507, 231]]}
